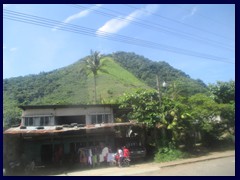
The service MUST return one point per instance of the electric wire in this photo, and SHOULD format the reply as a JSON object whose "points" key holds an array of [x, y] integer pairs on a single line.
{"points": [[44, 22], [182, 23], [202, 16], [158, 27]]}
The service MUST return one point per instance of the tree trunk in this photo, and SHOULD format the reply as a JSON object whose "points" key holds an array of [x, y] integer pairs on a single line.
{"points": [[163, 138], [95, 89], [155, 136]]}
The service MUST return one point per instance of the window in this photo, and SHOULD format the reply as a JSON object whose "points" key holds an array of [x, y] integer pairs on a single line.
{"points": [[39, 121], [106, 118], [94, 119], [100, 118], [42, 121], [36, 121], [46, 122], [30, 121]]}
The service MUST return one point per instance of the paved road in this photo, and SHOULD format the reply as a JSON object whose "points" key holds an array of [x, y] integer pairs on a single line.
{"points": [[211, 164], [216, 167]]}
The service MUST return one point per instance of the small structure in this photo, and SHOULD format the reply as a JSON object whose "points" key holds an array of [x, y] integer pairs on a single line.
{"points": [[51, 134]]}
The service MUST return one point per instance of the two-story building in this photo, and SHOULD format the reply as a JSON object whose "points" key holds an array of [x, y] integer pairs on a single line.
{"points": [[45, 129]]}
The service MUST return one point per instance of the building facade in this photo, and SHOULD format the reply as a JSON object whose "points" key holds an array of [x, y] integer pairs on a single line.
{"points": [[51, 133]]}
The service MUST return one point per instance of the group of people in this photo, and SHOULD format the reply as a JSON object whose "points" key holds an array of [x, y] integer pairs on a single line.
{"points": [[108, 157], [96, 155], [122, 153], [90, 156]]}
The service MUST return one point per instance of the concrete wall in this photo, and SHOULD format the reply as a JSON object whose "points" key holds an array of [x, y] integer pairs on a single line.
{"points": [[71, 111]]}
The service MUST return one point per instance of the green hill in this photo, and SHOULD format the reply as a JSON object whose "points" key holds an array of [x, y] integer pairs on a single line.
{"points": [[70, 85], [123, 72], [146, 70]]}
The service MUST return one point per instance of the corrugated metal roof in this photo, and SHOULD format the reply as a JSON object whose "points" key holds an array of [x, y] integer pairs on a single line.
{"points": [[53, 130], [67, 106]]}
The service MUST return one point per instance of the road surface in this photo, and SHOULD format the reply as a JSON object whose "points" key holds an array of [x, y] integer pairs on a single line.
{"points": [[224, 166], [216, 167]]}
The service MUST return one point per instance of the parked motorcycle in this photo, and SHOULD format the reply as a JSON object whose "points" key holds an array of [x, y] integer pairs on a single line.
{"points": [[125, 162], [13, 167]]}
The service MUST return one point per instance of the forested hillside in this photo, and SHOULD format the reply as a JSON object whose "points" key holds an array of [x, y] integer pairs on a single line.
{"points": [[123, 72], [146, 70]]}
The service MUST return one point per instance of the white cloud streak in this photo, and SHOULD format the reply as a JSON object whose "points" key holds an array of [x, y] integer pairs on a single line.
{"points": [[192, 12], [77, 16], [13, 49], [116, 24]]}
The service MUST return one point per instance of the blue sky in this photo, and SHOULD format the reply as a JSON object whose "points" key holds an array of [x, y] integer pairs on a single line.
{"points": [[198, 39]]}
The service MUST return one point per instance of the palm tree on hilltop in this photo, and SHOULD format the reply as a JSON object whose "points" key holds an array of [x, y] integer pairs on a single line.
{"points": [[93, 63]]}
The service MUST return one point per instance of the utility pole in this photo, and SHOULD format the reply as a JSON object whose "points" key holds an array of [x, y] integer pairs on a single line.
{"points": [[160, 104], [159, 96], [158, 88]]}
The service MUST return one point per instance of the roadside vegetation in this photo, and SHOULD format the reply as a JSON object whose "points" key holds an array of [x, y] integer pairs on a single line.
{"points": [[177, 120]]}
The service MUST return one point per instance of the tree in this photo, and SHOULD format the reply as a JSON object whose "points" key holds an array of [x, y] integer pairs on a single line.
{"points": [[223, 92], [94, 65], [204, 111], [146, 109], [180, 119], [185, 87], [11, 113], [228, 117]]}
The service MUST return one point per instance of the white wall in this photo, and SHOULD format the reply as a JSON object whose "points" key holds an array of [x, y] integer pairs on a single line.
{"points": [[71, 111]]}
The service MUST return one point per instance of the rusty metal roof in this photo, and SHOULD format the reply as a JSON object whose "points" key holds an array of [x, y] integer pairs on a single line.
{"points": [[52, 129]]}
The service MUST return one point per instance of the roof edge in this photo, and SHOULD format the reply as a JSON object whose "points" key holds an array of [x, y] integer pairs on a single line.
{"points": [[23, 107]]}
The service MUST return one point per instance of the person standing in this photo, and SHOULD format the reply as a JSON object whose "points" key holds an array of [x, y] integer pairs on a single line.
{"points": [[125, 152], [120, 155]]}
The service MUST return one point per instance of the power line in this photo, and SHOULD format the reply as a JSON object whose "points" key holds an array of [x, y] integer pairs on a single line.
{"points": [[182, 23], [158, 27], [201, 15], [44, 22]]}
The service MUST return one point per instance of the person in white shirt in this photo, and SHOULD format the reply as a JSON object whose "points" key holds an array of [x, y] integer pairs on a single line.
{"points": [[105, 153], [120, 154]]}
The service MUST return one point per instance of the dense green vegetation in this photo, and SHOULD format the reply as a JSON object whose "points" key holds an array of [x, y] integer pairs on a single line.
{"points": [[184, 120], [166, 154], [146, 70]]}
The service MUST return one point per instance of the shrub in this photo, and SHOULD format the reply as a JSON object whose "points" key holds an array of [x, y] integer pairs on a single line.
{"points": [[168, 154]]}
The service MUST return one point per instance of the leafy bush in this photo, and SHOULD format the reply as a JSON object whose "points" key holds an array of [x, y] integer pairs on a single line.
{"points": [[169, 154]]}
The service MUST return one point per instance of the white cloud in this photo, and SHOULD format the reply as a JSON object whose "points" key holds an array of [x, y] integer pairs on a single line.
{"points": [[192, 12], [116, 24], [10, 49], [112, 26], [13, 49], [77, 16]]}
